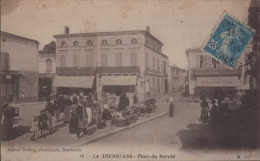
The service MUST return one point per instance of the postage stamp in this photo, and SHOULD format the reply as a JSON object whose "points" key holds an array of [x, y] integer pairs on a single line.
{"points": [[228, 40]]}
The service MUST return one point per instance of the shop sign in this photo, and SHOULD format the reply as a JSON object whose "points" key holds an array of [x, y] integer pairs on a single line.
{"points": [[229, 81]]}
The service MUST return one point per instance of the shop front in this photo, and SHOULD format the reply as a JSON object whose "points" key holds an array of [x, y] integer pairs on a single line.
{"points": [[215, 82], [217, 87], [70, 85], [45, 85], [118, 84]]}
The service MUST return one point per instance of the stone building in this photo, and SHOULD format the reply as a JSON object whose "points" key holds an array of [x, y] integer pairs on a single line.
{"points": [[19, 68], [178, 78], [208, 76], [47, 69], [123, 61]]}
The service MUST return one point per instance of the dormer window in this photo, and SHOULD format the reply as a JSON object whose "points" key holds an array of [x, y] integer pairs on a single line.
{"points": [[75, 43], [104, 42], [118, 41], [134, 41], [89, 43], [63, 43]]}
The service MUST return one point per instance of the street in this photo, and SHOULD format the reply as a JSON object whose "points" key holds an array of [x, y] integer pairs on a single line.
{"points": [[181, 134]]}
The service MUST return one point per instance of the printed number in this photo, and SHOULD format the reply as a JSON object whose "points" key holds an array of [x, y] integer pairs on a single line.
{"points": [[213, 44], [81, 155]]}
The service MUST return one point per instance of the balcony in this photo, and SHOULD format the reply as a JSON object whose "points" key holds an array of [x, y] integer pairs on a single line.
{"points": [[93, 70], [120, 69], [75, 70]]}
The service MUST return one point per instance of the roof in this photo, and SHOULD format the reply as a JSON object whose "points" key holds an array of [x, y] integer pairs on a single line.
{"points": [[3, 33], [114, 33]]}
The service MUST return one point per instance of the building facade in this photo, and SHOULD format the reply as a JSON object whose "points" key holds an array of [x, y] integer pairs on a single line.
{"points": [[125, 61], [47, 69], [19, 68], [208, 76], [178, 78]]}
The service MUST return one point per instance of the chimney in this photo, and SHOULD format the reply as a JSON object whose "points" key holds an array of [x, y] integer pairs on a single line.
{"points": [[66, 30], [148, 29]]}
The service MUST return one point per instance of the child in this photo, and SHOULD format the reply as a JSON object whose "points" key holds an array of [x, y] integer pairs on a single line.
{"points": [[43, 123], [34, 127]]}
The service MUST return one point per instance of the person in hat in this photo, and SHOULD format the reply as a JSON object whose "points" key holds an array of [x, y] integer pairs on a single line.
{"points": [[214, 115], [204, 110], [49, 108], [43, 123], [82, 120], [135, 99], [73, 124], [57, 108], [89, 105], [123, 102]]}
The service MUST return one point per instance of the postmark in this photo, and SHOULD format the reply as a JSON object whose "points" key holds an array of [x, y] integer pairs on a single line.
{"points": [[228, 40]]}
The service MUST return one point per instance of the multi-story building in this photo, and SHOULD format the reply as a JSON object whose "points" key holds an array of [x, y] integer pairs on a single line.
{"points": [[207, 75], [19, 68], [124, 61], [47, 69], [178, 78]]}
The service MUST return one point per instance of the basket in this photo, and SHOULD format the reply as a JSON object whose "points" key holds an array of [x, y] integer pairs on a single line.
{"points": [[121, 123], [133, 118]]}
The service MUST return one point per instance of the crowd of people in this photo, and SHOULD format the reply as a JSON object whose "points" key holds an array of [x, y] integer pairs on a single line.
{"points": [[231, 118], [79, 112]]}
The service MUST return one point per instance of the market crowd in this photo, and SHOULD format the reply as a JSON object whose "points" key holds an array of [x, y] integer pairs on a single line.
{"points": [[79, 112]]}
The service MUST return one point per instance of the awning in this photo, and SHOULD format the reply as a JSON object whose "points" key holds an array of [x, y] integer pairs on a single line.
{"points": [[74, 81], [118, 80]]}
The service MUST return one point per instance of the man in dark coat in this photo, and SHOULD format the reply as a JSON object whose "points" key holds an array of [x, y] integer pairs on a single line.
{"points": [[57, 108], [49, 108], [123, 102], [214, 115]]}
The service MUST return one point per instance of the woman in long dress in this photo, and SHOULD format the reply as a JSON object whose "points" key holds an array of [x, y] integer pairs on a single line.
{"points": [[73, 124], [82, 121], [204, 110], [214, 115], [67, 104], [171, 106], [99, 117]]}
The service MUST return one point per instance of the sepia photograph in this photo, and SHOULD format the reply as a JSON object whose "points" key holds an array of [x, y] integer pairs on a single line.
{"points": [[130, 80]]}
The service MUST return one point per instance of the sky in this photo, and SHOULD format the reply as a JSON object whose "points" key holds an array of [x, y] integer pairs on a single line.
{"points": [[180, 25]]}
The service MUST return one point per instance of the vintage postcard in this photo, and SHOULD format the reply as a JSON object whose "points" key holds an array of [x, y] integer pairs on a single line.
{"points": [[135, 80]]}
